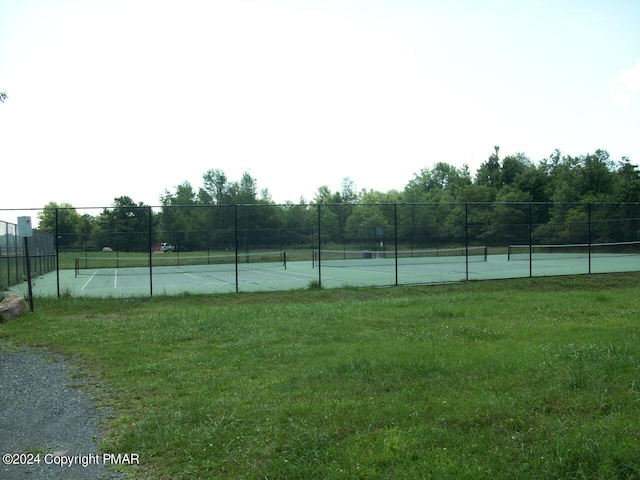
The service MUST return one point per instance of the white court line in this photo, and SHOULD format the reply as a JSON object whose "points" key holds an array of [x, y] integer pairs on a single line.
{"points": [[89, 281], [115, 278], [188, 274]]}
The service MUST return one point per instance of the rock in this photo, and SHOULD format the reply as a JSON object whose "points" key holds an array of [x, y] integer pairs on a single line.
{"points": [[107, 249], [12, 306]]}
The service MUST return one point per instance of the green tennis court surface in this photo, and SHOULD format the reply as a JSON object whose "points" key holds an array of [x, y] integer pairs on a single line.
{"points": [[333, 271]]}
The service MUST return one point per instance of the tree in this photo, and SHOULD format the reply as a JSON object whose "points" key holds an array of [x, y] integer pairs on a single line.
{"points": [[184, 195], [348, 193], [125, 226], [219, 221], [443, 182], [508, 222], [67, 225], [497, 174], [179, 218], [363, 224], [489, 174], [324, 195], [512, 167], [265, 196], [339, 207], [374, 196], [534, 181], [84, 230], [3, 97], [597, 180], [299, 223], [215, 188], [245, 191], [627, 187]]}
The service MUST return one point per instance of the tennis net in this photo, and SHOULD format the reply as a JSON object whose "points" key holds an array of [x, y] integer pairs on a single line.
{"points": [[572, 250], [373, 258], [169, 263]]}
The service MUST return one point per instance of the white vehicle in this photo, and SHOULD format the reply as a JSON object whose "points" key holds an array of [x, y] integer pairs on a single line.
{"points": [[166, 248]]}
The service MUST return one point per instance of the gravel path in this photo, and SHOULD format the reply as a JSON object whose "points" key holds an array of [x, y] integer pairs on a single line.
{"points": [[44, 410]]}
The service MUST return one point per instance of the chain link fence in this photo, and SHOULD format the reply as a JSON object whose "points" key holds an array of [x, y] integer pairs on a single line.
{"points": [[233, 248], [13, 260]]}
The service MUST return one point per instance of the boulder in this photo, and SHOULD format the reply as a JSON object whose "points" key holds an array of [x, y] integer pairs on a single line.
{"points": [[12, 306]]}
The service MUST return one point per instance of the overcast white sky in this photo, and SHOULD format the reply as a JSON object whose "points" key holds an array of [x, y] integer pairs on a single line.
{"points": [[133, 97]]}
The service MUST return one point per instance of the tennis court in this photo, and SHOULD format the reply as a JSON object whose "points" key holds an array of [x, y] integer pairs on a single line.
{"points": [[123, 277]]}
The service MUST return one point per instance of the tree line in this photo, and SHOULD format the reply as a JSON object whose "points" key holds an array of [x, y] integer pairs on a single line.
{"points": [[238, 213]]}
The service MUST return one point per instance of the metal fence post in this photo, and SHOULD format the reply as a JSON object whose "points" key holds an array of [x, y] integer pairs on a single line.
{"points": [[57, 245], [319, 249], [395, 234], [589, 233], [466, 239], [235, 229], [28, 266], [530, 241], [150, 253]]}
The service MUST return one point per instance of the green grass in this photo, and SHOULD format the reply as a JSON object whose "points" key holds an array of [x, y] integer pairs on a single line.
{"points": [[529, 378]]}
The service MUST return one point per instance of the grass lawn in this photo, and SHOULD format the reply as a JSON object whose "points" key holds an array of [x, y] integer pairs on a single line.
{"points": [[527, 378]]}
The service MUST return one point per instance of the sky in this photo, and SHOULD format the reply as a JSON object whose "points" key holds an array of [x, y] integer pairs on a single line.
{"points": [[110, 98]]}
